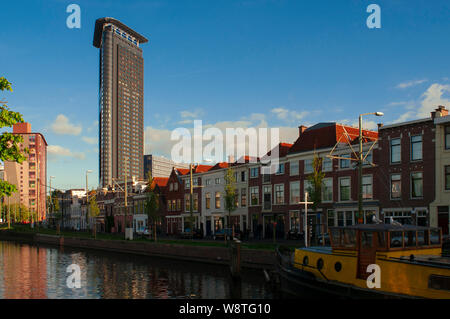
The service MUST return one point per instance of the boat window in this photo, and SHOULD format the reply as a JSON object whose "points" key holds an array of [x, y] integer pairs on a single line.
{"points": [[396, 239], [434, 237], [422, 237], [439, 282], [381, 239], [410, 239], [366, 238], [336, 237], [349, 238]]}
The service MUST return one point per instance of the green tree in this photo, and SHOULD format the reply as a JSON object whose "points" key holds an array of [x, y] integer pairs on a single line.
{"points": [[315, 184], [94, 212], [9, 143], [151, 203], [230, 194]]}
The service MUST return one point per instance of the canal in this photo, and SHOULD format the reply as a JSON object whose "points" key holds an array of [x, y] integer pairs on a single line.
{"points": [[29, 271]]}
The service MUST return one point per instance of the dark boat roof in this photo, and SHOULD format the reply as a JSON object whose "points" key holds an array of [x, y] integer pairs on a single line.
{"points": [[385, 227]]}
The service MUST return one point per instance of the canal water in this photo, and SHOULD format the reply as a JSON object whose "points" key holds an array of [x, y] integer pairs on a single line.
{"points": [[28, 271]]}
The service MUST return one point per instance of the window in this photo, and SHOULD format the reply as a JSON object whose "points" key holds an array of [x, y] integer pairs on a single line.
{"points": [[208, 181], [416, 148], [279, 194], [171, 187], [187, 184], [267, 191], [344, 163], [307, 187], [293, 166], [344, 189], [295, 192], [395, 150], [217, 180], [327, 164], [175, 186], [294, 220], [187, 202], [254, 195], [327, 190], [280, 169], [367, 187], [254, 172], [243, 176], [447, 177], [178, 204], [447, 137], [331, 218], [217, 199], [266, 178], [308, 166], [243, 197], [416, 185], [208, 200], [396, 186], [439, 282], [369, 159]]}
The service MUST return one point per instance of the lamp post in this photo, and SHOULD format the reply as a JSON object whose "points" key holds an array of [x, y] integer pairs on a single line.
{"points": [[360, 165], [87, 195], [50, 195]]}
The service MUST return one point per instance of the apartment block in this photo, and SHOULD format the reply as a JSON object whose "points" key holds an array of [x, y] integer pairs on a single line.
{"points": [[30, 177]]}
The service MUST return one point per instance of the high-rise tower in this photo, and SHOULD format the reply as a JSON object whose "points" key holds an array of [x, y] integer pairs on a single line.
{"points": [[121, 101]]}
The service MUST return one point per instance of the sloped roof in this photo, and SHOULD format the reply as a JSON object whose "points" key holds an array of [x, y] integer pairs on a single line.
{"points": [[160, 181], [325, 135]]}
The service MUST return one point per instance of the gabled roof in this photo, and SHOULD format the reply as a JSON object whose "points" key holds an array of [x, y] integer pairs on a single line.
{"points": [[160, 181], [326, 135], [220, 165], [283, 150]]}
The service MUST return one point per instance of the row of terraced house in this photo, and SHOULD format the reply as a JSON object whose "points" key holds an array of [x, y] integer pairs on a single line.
{"points": [[406, 177]]}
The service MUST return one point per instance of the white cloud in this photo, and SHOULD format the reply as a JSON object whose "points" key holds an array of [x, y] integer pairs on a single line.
{"points": [[432, 98], [56, 151], [289, 115], [158, 142], [61, 125], [408, 84], [90, 140]]}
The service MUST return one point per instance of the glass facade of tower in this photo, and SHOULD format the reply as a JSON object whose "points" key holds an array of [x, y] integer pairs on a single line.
{"points": [[121, 101]]}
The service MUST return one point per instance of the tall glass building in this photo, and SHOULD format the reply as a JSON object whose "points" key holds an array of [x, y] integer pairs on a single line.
{"points": [[121, 101]]}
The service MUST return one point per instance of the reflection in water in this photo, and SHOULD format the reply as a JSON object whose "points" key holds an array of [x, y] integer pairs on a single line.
{"points": [[28, 271]]}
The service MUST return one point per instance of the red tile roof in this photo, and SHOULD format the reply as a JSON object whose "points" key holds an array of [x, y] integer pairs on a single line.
{"points": [[324, 135], [160, 181]]}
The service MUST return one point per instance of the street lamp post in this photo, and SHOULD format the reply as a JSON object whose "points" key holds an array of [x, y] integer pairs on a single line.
{"points": [[87, 195], [360, 165], [50, 204]]}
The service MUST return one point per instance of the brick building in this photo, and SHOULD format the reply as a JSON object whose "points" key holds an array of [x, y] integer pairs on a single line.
{"points": [[30, 177]]}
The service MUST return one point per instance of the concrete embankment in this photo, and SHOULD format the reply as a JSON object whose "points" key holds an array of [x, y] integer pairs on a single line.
{"points": [[250, 258]]}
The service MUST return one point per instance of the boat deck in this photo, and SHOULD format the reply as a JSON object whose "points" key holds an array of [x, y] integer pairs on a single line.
{"points": [[428, 259], [319, 249]]}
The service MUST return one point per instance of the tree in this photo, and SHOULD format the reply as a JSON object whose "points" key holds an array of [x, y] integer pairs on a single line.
{"points": [[94, 212], [230, 194], [316, 182], [152, 203], [9, 143]]}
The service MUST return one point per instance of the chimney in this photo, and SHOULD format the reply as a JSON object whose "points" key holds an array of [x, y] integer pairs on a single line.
{"points": [[439, 112], [301, 129]]}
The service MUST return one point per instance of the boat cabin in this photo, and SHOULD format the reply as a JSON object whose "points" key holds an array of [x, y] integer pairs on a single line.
{"points": [[368, 239], [385, 237]]}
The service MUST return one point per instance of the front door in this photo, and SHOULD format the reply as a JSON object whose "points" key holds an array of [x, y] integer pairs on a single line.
{"points": [[366, 253], [443, 223]]}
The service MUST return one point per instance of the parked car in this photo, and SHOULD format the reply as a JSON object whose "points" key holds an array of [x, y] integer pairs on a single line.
{"points": [[221, 233], [196, 234], [294, 234]]}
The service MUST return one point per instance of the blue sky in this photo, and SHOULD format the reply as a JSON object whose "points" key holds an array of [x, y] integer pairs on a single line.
{"points": [[229, 63]]}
